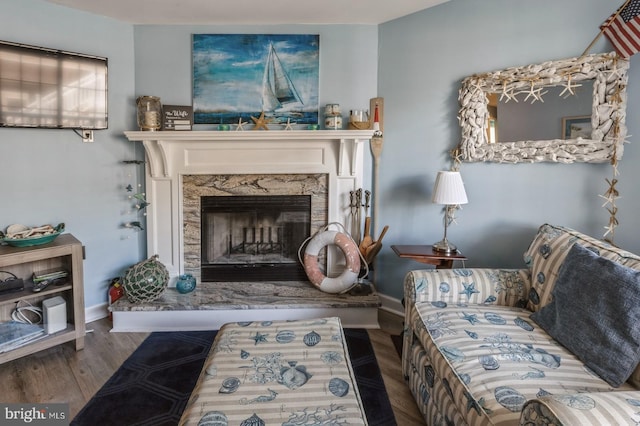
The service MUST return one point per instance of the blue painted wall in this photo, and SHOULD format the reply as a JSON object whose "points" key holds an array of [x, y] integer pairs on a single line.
{"points": [[416, 63], [51, 176], [507, 203]]}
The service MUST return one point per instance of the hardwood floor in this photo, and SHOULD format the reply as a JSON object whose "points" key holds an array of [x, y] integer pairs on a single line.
{"points": [[61, 374]]}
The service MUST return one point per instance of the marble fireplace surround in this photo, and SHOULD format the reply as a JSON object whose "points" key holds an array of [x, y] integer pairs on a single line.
{"points": [[172, 155]]}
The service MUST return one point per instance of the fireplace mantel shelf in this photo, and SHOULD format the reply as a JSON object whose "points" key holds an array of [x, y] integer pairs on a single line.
{"points": [[156, 144], [250, 135]]}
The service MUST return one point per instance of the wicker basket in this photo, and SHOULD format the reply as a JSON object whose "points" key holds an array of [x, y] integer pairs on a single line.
{"points": [[145, 281], [359, 125]]}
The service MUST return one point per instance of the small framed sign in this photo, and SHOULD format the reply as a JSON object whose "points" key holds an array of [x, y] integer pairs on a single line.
{"points": [[177, 117]]}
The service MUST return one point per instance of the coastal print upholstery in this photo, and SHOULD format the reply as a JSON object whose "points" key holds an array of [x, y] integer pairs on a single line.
{"points": [[549, 249], [602, 408], [472, 355], [493, 359], [277, 373]]}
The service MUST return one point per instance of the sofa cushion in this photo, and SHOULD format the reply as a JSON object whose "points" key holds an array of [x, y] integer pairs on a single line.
{"points": [[492, 359], [547, 252], [595, 312]]}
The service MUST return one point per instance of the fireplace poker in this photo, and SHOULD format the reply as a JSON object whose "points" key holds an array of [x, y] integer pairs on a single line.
{"points": [[356, 237], [367, 202], [352, 205]]}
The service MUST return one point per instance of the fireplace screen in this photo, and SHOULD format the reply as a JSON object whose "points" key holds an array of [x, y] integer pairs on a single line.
{"points": [[254, 237]]}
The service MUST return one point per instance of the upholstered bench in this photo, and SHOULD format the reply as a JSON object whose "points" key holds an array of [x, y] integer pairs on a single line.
{"points": [[277, 373]]}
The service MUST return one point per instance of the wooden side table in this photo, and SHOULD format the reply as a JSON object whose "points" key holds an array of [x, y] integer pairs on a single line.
{"points": [[426, 254]]}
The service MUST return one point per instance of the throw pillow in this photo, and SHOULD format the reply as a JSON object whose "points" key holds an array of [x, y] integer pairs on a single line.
{"points": [[595, 313]]}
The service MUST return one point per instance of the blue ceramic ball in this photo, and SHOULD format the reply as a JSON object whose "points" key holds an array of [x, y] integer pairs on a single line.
{"points": [[186, 283]]}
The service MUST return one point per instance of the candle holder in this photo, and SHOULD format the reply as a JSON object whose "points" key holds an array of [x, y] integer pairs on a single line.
{"points": [[149, 113]]}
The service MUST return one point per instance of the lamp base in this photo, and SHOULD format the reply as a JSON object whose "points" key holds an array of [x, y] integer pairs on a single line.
{"points": [[444, 246]]}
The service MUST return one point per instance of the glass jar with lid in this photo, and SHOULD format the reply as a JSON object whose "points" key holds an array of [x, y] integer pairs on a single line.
{"points": [[149, 113]]}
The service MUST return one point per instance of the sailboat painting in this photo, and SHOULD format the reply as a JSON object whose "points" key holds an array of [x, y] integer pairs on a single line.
{"points": [[236, 76]]}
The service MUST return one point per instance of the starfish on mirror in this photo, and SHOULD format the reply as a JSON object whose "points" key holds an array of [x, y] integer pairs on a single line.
{"points": [[509, 94], [240, 125], [260, 122], [536, 94], [568, 87]]}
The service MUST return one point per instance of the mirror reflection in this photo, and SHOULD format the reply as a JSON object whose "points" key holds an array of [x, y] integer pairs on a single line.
{"points": [[511, 121]]}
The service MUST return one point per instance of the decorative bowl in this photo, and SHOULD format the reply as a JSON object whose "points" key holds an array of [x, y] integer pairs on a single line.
{"points": [[33, 241]]}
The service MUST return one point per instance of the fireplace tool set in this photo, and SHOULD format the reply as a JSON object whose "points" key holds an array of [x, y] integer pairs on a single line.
{"points": [[368, 247]]}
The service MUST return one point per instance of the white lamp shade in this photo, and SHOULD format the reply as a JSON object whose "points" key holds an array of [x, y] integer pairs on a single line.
{"points": [[449, 189]]}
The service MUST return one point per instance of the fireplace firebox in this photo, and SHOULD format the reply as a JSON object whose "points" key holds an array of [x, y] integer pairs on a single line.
{"points": [[253, 237]]}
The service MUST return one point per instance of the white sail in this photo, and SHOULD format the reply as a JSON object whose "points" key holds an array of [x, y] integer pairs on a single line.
{"points": [[277, 88]]}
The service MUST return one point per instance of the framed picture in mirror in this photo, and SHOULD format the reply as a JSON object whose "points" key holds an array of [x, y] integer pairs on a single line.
{"points": [[576, 127]]}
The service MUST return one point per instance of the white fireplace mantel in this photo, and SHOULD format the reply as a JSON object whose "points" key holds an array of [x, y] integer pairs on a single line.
{"points": [[172, 154]]}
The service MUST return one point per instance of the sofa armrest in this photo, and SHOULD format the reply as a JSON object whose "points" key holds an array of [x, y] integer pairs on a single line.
{"points": [[598, 408], [508, 287]]}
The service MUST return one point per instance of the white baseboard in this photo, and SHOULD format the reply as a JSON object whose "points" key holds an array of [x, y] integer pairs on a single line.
{"points": [[391, 304], [95, 312]]}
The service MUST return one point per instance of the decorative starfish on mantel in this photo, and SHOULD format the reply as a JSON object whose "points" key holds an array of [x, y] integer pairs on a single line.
{"points": [[260, 122], [288, 125], [240, 125]]}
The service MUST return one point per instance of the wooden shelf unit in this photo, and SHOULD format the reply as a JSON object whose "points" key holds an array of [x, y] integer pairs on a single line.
{"points": [[66, 252]]}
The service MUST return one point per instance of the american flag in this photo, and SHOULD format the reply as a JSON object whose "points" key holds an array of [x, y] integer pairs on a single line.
{"points": [[623, 29]]}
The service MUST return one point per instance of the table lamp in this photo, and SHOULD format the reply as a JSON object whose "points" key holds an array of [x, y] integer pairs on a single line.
{"points": [[448, 190]]}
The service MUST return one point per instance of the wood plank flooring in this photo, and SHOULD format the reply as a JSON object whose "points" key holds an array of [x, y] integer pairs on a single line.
{"points": [[61, 374]]}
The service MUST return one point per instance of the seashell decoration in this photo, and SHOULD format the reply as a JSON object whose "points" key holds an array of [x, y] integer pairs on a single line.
{"points": [[311, 339], [211, 371], [424, 395], [494, 318], [254, 420], [244, 354], [523, 324], [331, 357], [534, 297], [294, 376], [452, 354], [430, 375], [229, 385], [509, 398], [285, 336], [465, 378], [579, 402], [213, 418], [338, 387], [488, 362]]}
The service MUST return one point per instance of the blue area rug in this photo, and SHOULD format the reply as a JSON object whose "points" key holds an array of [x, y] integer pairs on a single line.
{"points": [[152, 387]]}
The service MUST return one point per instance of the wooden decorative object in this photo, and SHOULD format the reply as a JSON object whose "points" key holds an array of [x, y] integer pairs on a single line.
{"points": [[376, 146]]}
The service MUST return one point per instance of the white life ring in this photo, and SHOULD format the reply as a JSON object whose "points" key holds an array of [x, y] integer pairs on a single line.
{"points": [[348, 278]]}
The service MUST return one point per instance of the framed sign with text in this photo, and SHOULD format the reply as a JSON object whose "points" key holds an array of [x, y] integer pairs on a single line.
{"points": [[177, 117]]}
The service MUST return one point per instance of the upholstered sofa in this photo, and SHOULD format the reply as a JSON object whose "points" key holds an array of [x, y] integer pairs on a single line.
{"points": [[491, 346]]}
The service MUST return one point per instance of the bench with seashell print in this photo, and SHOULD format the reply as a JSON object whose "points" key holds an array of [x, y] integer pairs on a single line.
{"points": [[276, 372]]}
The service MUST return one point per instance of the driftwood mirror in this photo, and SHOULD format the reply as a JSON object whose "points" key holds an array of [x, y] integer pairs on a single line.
{"points": [[602, 79]]}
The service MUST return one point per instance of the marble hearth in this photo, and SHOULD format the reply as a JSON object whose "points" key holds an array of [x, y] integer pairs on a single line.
{"points": [[182, 166]]}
